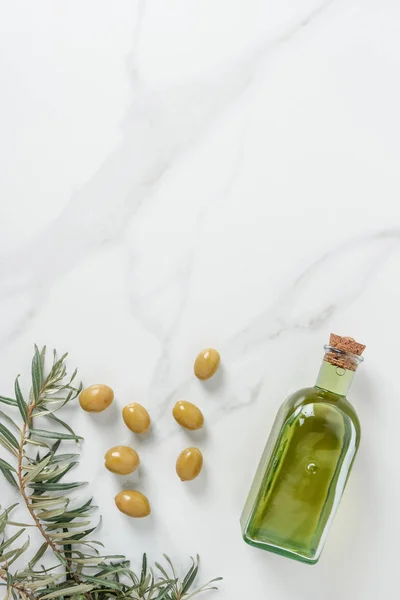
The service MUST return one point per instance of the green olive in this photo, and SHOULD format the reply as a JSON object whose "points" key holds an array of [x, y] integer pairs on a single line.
{"points": [[133, 503], [188, 415], [96, 398], [189, 464], [136, 417], [121, 460], [206, 363]]}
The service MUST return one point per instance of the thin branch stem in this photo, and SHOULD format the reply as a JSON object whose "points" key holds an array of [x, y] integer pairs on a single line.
{"points": [[22, 487], [53, 546], [19, 588]]}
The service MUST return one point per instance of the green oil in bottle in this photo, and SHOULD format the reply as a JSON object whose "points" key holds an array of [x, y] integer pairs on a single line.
{"points": [[303, 471]]}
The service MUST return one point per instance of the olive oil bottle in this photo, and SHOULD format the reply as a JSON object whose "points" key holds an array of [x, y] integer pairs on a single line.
{"points": [[307, 460]]}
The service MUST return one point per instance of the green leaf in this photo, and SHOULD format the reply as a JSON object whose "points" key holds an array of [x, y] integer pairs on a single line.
{"points": [[144, 569], [6, 511], [69, 591], [190, 577], [54, 435], [9, 436], [165, 591], [9, 401], [120, 567], [61, 524], [167, 558], [51, 487], [52, 515], [5, 465], [81, 543], [3, 415], [207, 587], [19, 552], [55, 446], [43, 357], [61, 472], [98, 581], [163, 571], [84, 507], [63, 424], [20, 401], [37, 469], [12, 539], [36, 443], [38, 555], [8, 555], [47, 501], [82, 534], [62, 457], [8, 446], [69, 515], [37, 375], [9, 476], [72, 535]]}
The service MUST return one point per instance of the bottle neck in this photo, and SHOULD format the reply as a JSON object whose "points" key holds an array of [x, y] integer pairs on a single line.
{"points": [[334, 379]]}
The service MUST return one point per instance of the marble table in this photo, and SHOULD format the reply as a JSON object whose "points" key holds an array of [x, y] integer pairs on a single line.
{"points": [[181, 174]]}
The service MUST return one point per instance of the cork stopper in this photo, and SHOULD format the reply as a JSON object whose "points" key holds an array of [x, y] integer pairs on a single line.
{"points": [[344, 352]]}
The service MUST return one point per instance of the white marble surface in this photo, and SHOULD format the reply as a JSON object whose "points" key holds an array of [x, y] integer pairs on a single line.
{"points": [[209, 172]]}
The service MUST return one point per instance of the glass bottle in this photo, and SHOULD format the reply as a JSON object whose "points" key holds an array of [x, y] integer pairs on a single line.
{"points": [[306, 462]]}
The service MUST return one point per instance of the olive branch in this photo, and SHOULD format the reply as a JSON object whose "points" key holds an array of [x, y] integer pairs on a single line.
{"points": [[78, 570]]}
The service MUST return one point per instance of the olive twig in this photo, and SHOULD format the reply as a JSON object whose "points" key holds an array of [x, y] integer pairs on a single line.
{"points": [[38, 470]]}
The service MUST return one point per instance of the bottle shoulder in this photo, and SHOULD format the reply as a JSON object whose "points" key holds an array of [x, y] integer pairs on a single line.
{"points": [[318, 396]]}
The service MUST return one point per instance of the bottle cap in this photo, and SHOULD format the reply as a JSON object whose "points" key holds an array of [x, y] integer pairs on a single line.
{"points": [[344, 352]]}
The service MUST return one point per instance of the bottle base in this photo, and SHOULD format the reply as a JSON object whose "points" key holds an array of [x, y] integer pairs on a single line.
{"points": [[287, 553]]}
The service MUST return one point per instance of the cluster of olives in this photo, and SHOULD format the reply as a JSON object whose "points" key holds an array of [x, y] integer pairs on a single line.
{"points": [[124, 460]]}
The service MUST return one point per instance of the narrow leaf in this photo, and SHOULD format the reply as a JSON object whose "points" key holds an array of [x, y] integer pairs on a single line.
{"points": [[37, 375], [43, 357], [9, 476], [69, 591], [163, 594], [66, 525], [46, 581], [167, 558], [9, 401], [63, 424], [144, 569], [20, 401], [52, 515], [8, 446], [47, 500], [71, 535], [5, 465], [36, 443], [67, 515], [61, 472], [9, 436], [98, 581], [9, 420], [38, 555], [38, 468], [8, 555], [12, 539], [55, 435], [55, 446], [189, 579], [19, 552], [51, 487], [61, 457], [163, 571]]}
